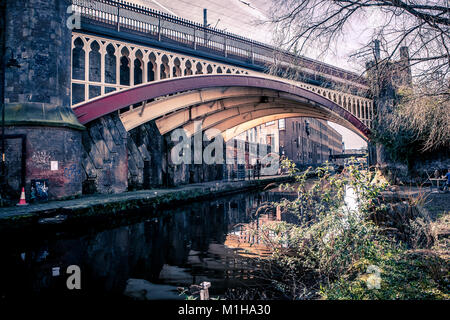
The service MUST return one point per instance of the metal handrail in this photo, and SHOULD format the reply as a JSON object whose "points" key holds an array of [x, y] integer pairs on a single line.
{"points": [[165, 27]]}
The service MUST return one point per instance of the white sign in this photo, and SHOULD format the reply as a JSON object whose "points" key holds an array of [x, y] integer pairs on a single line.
{"points": [[53, 165], [55, 271]]}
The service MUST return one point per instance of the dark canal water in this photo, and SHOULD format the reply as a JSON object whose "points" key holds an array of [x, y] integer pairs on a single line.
{"points": [[203, 241]]}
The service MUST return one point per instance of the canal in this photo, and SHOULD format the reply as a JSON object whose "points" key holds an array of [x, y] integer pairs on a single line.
{"points": [[150, 258]]}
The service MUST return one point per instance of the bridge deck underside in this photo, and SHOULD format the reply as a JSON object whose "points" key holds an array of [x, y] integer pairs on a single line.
{"points": [[221, 102]]}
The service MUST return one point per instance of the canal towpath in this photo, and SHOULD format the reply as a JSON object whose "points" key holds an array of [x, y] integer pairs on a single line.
{"points": [[109, 205]]}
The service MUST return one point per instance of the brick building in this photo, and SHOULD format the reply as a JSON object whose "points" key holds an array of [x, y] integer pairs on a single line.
{"points": [[308, 141], [266, 134]]}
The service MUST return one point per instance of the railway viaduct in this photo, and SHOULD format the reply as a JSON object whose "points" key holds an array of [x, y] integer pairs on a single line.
{"points": [[102, 84]]}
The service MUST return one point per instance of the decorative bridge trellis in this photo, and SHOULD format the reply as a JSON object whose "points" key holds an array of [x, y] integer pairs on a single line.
{"points": [[101, 64]]}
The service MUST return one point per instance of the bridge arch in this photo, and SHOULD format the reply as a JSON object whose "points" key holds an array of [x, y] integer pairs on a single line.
{"points": [[221, 101]]}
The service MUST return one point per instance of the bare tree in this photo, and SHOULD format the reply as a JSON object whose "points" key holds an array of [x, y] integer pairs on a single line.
{"points": [[426, 117], [421, 25]]}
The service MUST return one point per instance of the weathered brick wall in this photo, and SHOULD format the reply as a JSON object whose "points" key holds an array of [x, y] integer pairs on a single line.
{"points": [[44, 145]]}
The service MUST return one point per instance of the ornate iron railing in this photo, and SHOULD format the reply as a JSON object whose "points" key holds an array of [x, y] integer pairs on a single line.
{"points": [[133, 18]]}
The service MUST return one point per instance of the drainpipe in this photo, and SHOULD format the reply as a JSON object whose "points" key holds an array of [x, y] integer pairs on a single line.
{"points": [[205, 18], [205, 25]]}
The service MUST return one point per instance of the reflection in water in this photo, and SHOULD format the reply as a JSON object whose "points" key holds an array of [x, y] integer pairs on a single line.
{"points": [[205, 241]]}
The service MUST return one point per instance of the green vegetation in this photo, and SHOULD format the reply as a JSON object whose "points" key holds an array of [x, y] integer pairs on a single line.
{"points": [[348, 243]]}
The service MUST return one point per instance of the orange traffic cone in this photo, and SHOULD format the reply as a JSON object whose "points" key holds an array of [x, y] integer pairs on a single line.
{"points": [[22, 201]]}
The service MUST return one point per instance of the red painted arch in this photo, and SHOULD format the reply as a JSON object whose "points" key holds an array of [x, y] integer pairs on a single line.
{"points": [[99, 107]]}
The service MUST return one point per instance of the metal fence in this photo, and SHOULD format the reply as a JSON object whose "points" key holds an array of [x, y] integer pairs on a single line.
{"points": [[133, 18], [233, 172]]}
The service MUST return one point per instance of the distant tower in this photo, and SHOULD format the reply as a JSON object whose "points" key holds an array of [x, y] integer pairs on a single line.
{"points": [[377, 52], [405, 66]]}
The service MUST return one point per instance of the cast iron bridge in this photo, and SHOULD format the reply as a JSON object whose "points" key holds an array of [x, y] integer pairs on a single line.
{"points": [[145, 65]]}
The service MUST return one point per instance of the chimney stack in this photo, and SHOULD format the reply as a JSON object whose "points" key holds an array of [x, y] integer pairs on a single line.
{"points": [[377, 50]]}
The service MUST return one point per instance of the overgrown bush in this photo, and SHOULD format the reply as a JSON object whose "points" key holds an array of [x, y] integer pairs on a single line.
{"points": [[416, 128], [336, 250]]}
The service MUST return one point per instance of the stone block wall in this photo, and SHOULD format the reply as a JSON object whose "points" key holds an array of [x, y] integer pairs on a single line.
{"points": [[37, 98], [114, 160], [36, 31], [105, 156], [147, 161], [150, 164]]}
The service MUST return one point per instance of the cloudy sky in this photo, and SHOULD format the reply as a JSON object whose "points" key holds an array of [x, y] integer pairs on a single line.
{"points": [[241, 17]]}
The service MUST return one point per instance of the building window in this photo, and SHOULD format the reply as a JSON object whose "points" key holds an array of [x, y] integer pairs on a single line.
{"points": [[282, 124], [78, 60], [270, 139]]}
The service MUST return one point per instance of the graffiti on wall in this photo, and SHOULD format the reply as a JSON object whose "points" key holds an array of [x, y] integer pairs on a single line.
{"points": [[73, 172], [41, 158], [39, 190]]}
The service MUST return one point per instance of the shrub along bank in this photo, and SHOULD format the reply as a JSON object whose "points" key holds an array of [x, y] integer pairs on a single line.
{"points": [[349, 243]]}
